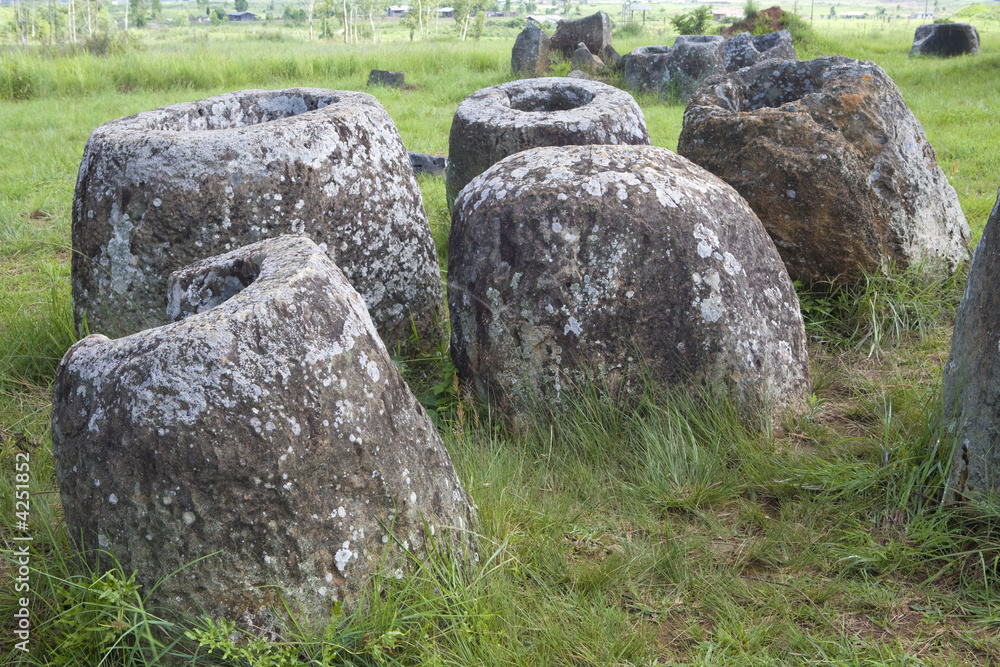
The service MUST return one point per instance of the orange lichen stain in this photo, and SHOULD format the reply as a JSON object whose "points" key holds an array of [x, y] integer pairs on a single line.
{"points": [[851, 101], [867, 77]]}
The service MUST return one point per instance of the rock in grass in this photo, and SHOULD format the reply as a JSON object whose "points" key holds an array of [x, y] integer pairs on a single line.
{"points": [[493, 123], [589, 263], [381, 77], [428, 164], [594, 31], [835, 165], [530, 54], [586, 61], [162, 189], [945, 39], [266, 432], [972, 375], [744, 49]]}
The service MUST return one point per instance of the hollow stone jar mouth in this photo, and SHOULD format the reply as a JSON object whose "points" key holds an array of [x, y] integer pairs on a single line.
{"points": [[775, 84], [555, 98], [233, 110]]}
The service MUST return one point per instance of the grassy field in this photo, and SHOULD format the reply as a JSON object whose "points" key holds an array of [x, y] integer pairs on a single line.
{"points": [[664, 534]]}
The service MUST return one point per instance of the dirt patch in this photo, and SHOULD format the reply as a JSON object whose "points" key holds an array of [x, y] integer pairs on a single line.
{"points": [[772, 16]]}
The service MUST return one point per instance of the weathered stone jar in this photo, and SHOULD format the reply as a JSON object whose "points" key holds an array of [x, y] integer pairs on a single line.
{"points": [[161, 189], [595, 263], [693, 59], [945, 40], [496, 122], [267, 432], [835, 165], [744, 49]]}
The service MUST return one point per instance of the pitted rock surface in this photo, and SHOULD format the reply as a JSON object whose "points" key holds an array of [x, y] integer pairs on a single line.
{"points": [[972, 375], [945, 39], [581, 263], [743, 49], [496, 122], [268, 424], [162, 189], [646, 68], [593, 30], [693, 59], [530, 54], [833, 162]]}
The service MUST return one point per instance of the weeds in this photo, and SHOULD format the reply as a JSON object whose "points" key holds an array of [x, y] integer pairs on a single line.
{"points": [[879, 312]]}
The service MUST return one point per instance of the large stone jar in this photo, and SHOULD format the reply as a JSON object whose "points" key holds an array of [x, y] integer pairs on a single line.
{"points": [[263, 450], [578, 264], [496, 122], [161, 189], [835, 165]]}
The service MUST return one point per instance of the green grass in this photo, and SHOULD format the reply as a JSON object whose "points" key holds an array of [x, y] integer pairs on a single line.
{"points": [[662, 532]]}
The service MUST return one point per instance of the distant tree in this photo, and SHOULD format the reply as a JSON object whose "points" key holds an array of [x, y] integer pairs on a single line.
{"points": [[240, 5], [692, 23], [833, 12], [156, 7], [139, 10], [479, 27]]}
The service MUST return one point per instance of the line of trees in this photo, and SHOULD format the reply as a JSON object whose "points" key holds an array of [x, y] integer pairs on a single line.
{"points": [[48, 22]]}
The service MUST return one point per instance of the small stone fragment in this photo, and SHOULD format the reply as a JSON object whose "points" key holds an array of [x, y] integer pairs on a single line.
{"points": [[381, 77], [530, 54]]}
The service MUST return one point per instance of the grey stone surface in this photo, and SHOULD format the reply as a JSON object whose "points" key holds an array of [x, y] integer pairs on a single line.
{"points": [[972, 376], [578, 74], [428, 164], [833, 162], [161, 189], [945, 39], [530, 54], [593, 30], [586, 61], [693, 59], [496, 122], [744, 49], [381, 77], [267, 431], [646, 68], [577, 263]]}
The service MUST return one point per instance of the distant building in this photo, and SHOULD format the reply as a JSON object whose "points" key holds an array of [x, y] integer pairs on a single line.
{"points": [[922, 15], [853, 15], [539, 19], [719, 13], [241, 16], [397, 11], [446, 12]]}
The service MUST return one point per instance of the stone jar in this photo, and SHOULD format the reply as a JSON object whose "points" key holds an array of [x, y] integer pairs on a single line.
{"points": [[496, 122], [262, 450], [162, 189], [578, 264]]}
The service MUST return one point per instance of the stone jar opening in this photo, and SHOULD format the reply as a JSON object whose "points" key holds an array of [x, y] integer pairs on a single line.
{"points": [[562, 98]]}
